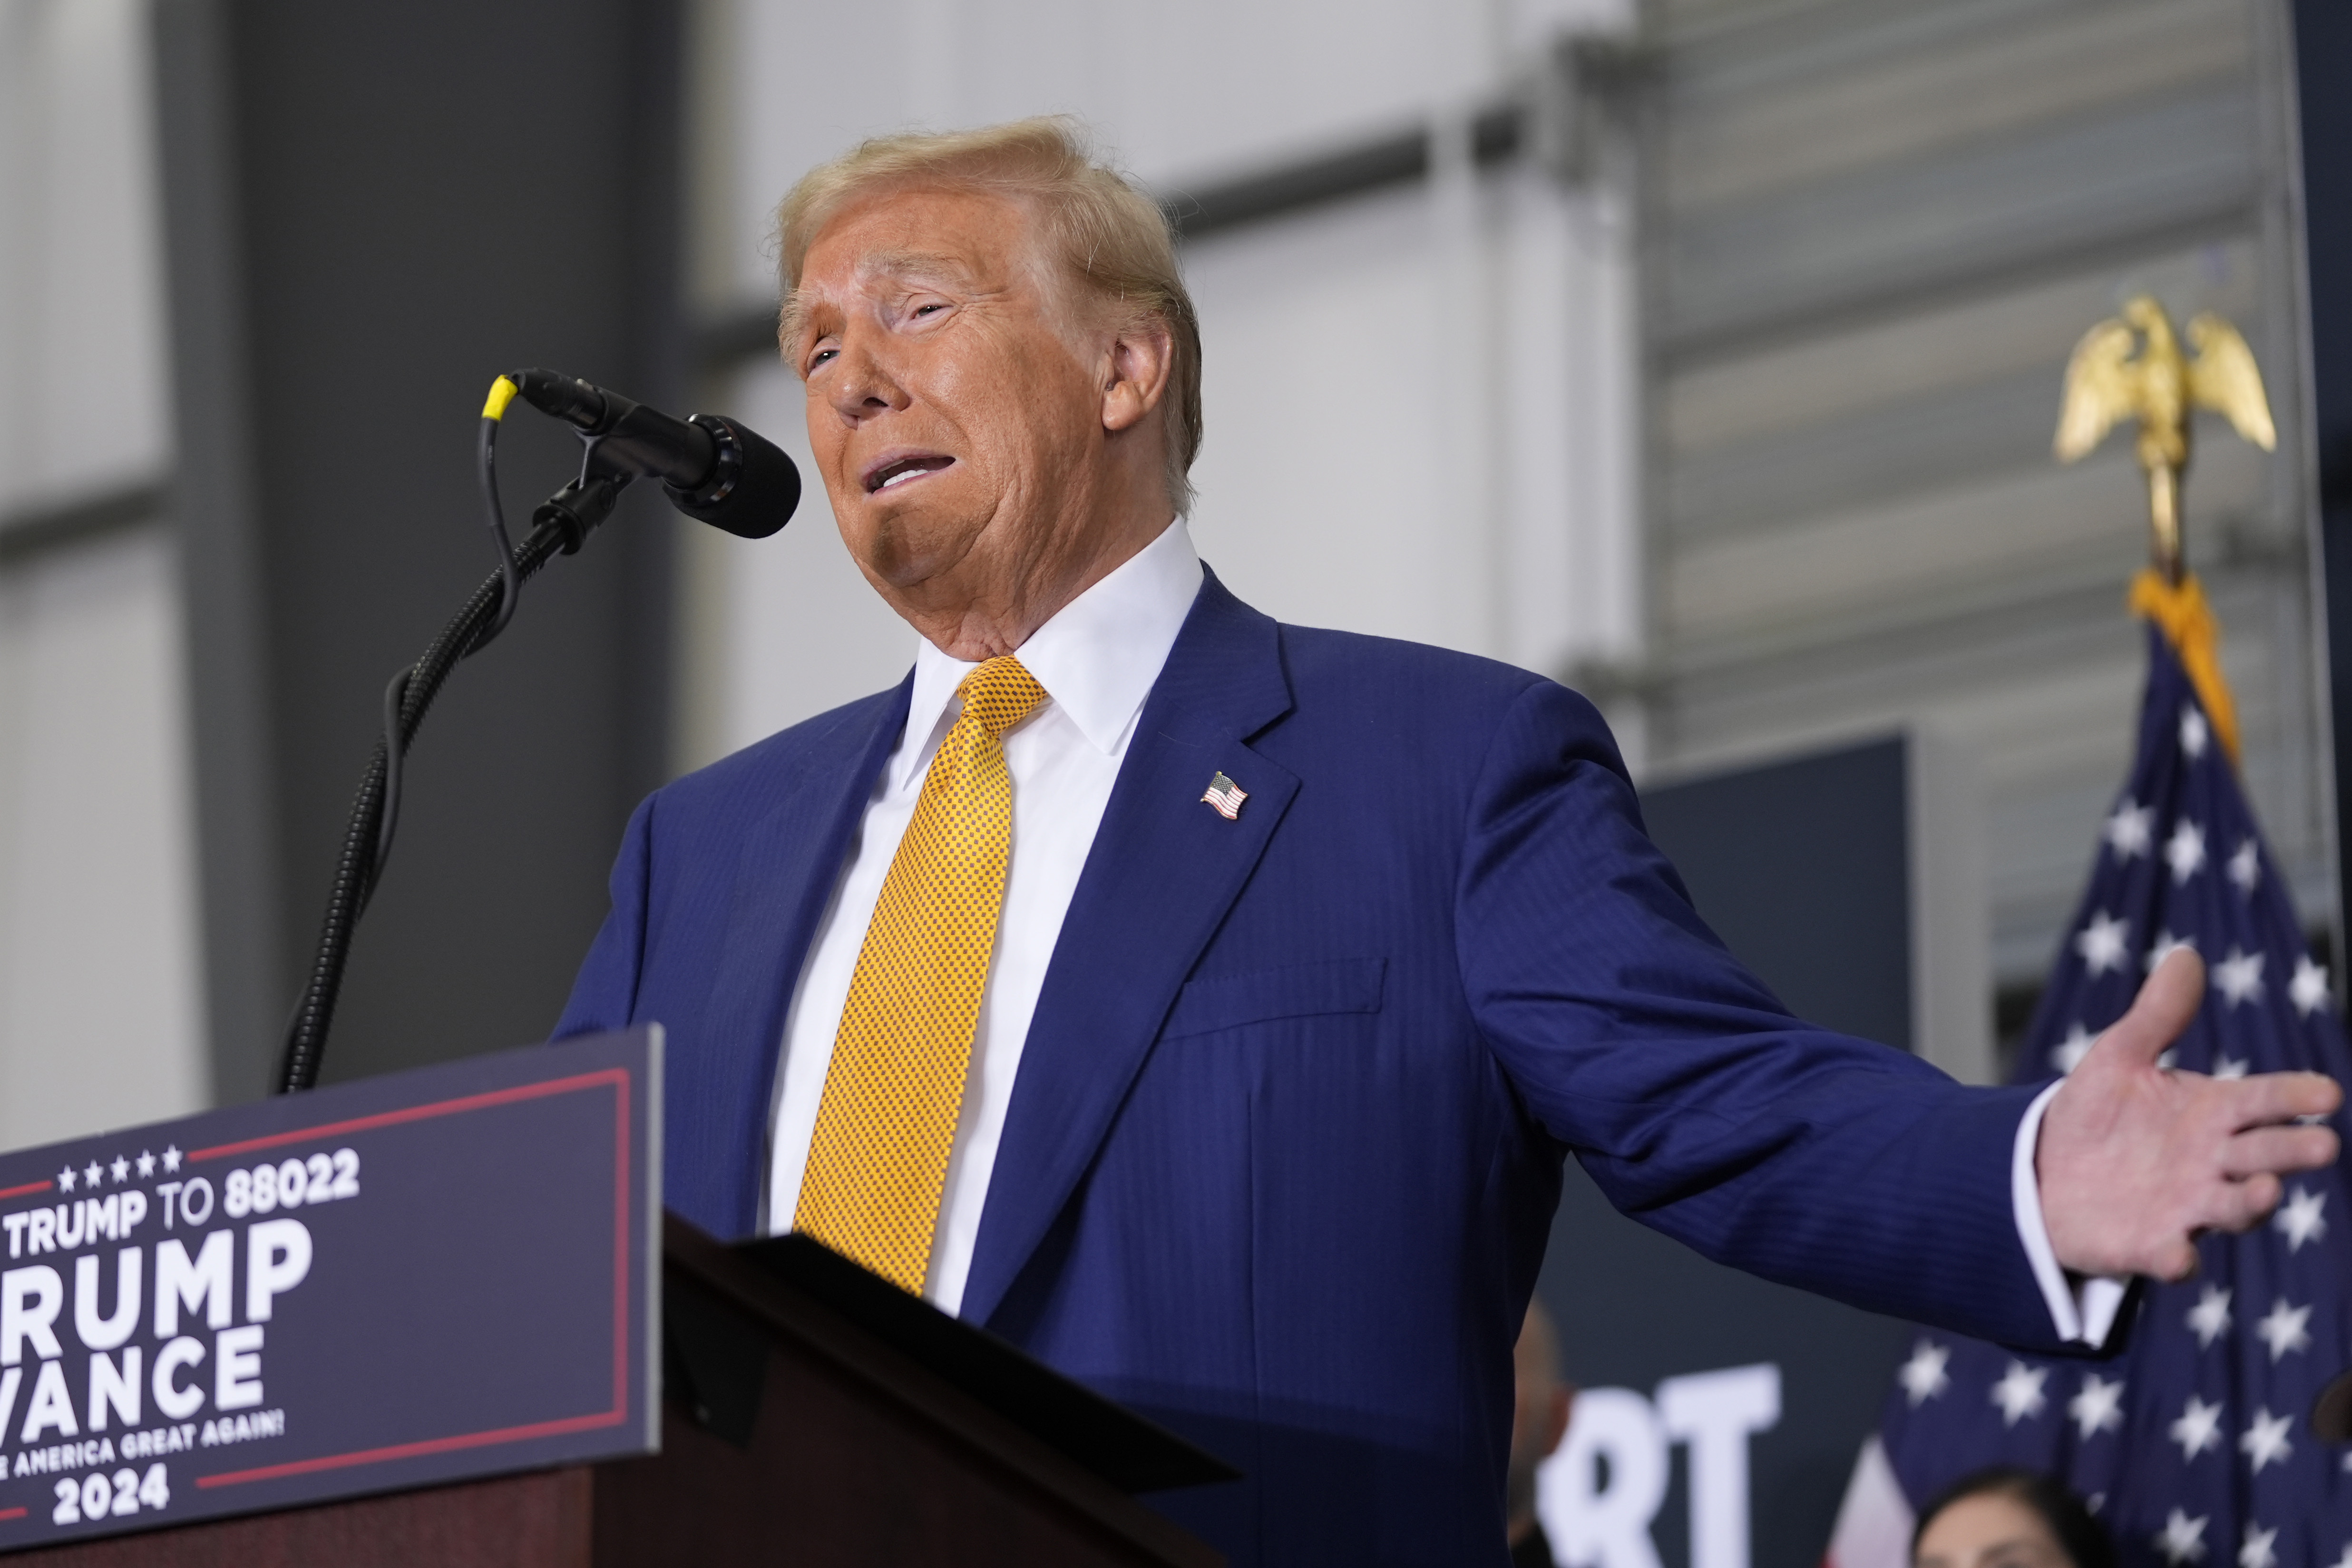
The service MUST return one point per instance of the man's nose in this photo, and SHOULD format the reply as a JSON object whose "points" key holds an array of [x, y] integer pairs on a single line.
{"points": [[861, 386]]}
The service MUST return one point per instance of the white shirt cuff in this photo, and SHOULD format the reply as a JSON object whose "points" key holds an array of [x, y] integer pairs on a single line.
{"points": [[2083, 1314]]}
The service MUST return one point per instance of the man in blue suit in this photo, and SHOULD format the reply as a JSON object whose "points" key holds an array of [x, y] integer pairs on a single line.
{"points": [[1208, 1004]]}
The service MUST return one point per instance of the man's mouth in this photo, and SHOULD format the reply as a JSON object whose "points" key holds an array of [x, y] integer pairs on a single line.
{"points": [[898, 471]]}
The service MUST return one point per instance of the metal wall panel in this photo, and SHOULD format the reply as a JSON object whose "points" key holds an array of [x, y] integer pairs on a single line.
{"points": [[1873, 232]]}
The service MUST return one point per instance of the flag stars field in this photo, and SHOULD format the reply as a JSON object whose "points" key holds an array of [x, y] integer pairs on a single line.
{"points": [[2285, 1330], [2300, 1218], [2194, 732], [2239, 977], [2266, 1442], [2103, 943], [2198, 1428], [2185, 850], [2019, 1392], [2210, 1318], [2183, 1540], [2308, 990], [2131, 830], [2099, 1407], [2193, 1433], [1923, 1376]]}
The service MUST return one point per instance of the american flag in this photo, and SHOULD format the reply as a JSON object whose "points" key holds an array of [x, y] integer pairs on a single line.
{"points": [[2193, 1444], [1226, 796]]}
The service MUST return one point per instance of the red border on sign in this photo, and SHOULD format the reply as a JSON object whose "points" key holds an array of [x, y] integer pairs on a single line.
{"points": [[9, 1192], [618, 1077], [9, 1513]]}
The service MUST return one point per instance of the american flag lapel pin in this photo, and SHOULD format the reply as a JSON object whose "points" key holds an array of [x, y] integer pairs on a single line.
{"points": [[1226, 797]]}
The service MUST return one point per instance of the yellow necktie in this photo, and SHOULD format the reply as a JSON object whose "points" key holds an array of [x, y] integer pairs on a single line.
{"points": [[887, 1118]]}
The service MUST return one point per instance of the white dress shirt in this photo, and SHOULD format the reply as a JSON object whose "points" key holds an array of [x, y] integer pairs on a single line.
{"points": [[1097, 659]]}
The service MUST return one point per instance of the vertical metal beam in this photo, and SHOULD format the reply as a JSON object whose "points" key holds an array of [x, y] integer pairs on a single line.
{"points": [[227, 637], [2323, 66], [374, 210]]}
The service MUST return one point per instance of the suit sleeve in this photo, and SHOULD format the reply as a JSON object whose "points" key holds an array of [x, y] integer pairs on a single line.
{"points": [[1694, 1099], [604, 995]]}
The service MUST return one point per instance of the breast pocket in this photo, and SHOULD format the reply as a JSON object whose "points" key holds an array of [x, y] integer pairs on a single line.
{"points": [[1258, 995]]}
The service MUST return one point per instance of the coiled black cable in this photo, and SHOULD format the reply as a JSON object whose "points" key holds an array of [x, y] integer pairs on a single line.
{"points": [[361, 862]]}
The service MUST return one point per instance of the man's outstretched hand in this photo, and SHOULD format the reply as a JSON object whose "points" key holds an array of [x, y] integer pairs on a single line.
{"points": [[2135, 1162]]}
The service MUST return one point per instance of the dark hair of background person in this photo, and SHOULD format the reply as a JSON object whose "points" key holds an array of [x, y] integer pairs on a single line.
{"points": [[2080, 1536]]}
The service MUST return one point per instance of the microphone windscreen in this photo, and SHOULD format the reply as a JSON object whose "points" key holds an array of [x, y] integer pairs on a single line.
{"points": [[763, 494]]}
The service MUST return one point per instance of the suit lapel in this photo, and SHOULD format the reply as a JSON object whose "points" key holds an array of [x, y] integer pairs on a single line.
{"points": [[789, 861], [1164, 869]]}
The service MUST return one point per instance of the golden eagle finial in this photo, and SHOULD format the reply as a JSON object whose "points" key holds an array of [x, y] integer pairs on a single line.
{"points": [[2131, 366]]}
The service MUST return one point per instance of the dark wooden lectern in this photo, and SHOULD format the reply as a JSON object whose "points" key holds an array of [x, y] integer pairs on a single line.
{"points": [[850, 1452]]}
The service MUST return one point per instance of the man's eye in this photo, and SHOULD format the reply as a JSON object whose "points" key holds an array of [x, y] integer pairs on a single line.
{"points": [[927, 310]]}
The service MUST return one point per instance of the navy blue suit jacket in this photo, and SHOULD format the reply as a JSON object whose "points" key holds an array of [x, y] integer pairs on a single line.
{"points": [[1287, 1135]]}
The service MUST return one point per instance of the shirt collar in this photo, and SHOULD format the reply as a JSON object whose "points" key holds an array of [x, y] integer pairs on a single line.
{"points": [[1097, 658]]}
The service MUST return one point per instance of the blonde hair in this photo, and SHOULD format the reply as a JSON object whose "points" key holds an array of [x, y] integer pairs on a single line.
{"points": [[1108, 235]]}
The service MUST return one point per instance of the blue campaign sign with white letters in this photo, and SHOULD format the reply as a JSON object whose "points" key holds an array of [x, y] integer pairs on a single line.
{"points": [[384, 1284]]}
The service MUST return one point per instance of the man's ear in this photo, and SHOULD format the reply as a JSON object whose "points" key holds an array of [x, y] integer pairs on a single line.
{"points": [[1137, 375]]}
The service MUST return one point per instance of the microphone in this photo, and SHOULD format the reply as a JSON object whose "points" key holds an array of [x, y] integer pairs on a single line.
{"points": [[712, 468]]}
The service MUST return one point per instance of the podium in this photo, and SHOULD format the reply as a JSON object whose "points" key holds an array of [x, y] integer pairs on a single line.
{"points": [[790, 1432]]}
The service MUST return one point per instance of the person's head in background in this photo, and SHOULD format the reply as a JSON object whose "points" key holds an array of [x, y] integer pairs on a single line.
{"points": [[1542, 1419], [2008, 1519]]}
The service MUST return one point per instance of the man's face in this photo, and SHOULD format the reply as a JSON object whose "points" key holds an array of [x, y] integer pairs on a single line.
{"points": [[955, 403]]}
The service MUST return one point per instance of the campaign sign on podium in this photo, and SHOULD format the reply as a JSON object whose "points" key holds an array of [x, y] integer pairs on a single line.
{"points": [[390, 1284]]}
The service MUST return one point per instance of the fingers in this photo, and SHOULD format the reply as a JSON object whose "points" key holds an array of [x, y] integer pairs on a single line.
{"points": [[2241, 1205], [2166, 1003], [2173, 1262], [2281, 1097], [2275, 1150]]}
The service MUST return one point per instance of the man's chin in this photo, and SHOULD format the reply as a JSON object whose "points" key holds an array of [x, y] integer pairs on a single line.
{"points": [[908, 548]]}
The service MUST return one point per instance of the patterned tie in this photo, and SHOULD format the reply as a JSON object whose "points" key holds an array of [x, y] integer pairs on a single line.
{"points": [[887, 1118]]}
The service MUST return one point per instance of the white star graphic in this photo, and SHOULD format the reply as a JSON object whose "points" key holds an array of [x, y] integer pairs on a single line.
{"points": [[2301, 1219], [171, 1159], [2246, 866], [2308, 990], [2199, 1429], [2131, 830], [2259, 1551], [2210, 1316], [2229, 1067], [2099, 1407], [2185, 850], [146, 1162], [1923, 1376], [2102, 942], [2194, 732], [2238, 976], [2183, 1540], [91, 1174], [2345, 1561], [2019, 1392], [66, 1179], [2068, 1053], [2285, 1329], [2165, 946], [2265, 1441], [119, 1169]]}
